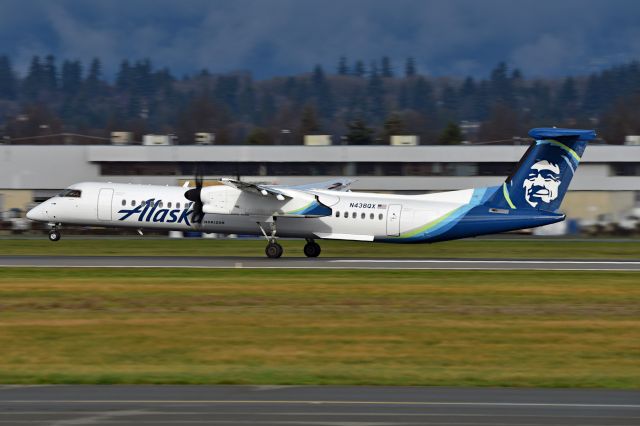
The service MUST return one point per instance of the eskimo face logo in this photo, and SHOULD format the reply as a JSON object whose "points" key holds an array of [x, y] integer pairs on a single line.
{"points": [[542, 183]]}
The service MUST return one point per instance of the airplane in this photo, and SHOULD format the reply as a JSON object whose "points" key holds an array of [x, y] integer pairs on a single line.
{"points": [[528, 198]]}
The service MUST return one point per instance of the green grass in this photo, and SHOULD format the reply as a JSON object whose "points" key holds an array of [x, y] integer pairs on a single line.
{"points": [[473, 248], [454, 328]]}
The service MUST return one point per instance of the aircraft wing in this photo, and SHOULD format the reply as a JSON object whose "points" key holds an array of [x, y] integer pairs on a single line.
{"points": [[255, 188], [340, 184]]}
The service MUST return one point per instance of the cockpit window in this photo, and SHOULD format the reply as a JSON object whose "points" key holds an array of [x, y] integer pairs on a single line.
{"points": [[71, 193]]}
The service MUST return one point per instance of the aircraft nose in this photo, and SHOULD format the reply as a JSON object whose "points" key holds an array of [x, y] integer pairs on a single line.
{"points": [[38, 213]]}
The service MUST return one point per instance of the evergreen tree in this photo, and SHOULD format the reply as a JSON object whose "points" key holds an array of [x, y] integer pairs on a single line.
{"points": [[451, 135], [34, 81], [421, 97], [343, 68], [309, 121], [567, 98], [322, 92], [50, 74], [387, 69], [410, 68], [93, 81], [359, 69], [359, 133], [124, 77], [8, 85], [375, 96], [71, 77], [393, 126]]}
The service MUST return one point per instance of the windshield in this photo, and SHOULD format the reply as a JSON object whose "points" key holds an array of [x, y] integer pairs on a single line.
{"points": [[72, 193]]}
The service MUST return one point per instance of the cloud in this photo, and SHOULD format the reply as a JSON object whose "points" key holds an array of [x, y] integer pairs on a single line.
{"points": [[288, 36]]}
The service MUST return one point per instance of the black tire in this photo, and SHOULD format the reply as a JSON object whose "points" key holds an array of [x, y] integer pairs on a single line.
{"points": [[54, 236], [312, 249], [273, 250]]}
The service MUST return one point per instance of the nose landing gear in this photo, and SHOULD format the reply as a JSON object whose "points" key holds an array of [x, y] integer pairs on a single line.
{"points": [[54, 233], [273, 249]]}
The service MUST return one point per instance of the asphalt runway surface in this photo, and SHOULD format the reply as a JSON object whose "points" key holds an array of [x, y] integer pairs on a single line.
{"points": [[316, 263], [314, 406]]}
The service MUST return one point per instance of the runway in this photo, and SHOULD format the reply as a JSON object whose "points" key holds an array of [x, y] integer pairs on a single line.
{"points": [[317, 263], [314, 405]]}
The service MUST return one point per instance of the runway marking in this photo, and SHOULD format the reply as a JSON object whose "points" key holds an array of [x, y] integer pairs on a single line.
{"points": [[406, 268], [526, 262], [403, 268], [287, 402]]}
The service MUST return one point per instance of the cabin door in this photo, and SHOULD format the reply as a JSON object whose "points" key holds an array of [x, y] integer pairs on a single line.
{"points": [[393, 220], [104, 204]]}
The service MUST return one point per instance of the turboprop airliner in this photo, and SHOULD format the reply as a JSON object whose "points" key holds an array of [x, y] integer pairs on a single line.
{"points": [[529, 197]]}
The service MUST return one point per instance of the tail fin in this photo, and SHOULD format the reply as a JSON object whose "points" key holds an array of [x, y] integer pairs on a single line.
{"points": [[543, 174]]}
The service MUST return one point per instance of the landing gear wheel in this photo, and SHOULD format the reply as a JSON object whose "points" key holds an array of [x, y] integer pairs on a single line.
{"points": [[312, 249], [54, 235], [273, 250]]}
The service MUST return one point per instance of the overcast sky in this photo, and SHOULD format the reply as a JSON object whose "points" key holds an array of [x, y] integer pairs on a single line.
{"points": [[281, 37]]}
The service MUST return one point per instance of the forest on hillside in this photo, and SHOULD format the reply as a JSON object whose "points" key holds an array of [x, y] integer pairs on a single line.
{"points": [[354, 101]]}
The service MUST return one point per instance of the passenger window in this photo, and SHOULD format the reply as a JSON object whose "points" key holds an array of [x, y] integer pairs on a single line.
{"points": [[371, 216], [363, 215], [177, 205], [354, 214], [124, 202], [380, 216], [133, 203], [169, 204], [337, 214], [160, 204]]}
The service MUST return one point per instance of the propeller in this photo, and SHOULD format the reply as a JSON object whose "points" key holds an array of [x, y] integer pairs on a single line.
{"points": [[194, 195]]}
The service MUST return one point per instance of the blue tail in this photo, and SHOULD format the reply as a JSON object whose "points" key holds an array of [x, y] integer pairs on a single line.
{"points": [[542, 176]]}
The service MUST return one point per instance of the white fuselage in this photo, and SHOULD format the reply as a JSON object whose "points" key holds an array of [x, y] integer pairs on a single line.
{"points": [[354, 215]]}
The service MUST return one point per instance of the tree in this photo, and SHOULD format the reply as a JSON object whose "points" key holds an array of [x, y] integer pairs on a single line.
{"points": [[359, 133], [394, 125], [71, 77], [410, 67], [8, 85], [387, 69], [359, 69], [343, 68], [33, 82], [451, 135], [93, 83], [50, 74], [259, 136], [309, 121]]}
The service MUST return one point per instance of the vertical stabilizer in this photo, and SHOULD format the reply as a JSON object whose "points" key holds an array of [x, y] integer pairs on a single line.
{"points": [[542, 176]]}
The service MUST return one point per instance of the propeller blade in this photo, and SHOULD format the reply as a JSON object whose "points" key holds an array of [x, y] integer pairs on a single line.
{"points": [[194, 195]]}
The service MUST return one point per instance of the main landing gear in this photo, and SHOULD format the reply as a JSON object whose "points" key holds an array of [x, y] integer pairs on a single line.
{"points": [[311, 249], [54, 234], [275, 250]]}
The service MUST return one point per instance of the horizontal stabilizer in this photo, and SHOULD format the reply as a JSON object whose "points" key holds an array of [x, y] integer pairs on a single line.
{"points": [[542, 133]]}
